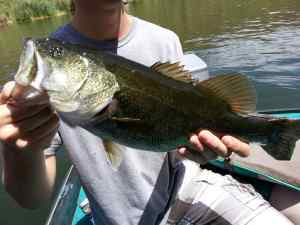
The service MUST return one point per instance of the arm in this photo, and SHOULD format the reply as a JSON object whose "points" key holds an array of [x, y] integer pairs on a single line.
{"points": [[28, 175], [28, 178]]}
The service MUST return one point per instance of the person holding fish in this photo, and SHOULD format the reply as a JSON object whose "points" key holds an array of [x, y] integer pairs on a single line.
{"points": [[124, 185]]}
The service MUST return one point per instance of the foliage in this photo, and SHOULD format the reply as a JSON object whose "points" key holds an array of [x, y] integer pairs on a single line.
{"points": [[25, 10]]}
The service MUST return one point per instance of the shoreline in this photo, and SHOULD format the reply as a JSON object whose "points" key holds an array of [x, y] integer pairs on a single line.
{"points": [[62, 13], [5, 21]]}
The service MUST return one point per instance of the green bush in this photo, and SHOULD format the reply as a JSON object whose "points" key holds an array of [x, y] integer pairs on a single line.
{"points": [[22, 13], [43, 8], [24, 10], [5, 8], [63, 5]]}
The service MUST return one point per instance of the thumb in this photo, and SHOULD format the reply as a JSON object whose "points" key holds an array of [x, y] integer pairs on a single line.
{"points": [[11, 90], [6, 91], [199, 157]]}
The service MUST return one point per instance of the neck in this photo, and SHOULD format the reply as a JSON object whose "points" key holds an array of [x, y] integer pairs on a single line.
{"points": [[104, 25]]}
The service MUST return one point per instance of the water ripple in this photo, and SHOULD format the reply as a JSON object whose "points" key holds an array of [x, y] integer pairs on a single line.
{"points": [[271, 59]]}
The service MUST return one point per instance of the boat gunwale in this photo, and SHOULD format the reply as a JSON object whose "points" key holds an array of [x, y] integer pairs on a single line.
{"points": [[63, 194]]}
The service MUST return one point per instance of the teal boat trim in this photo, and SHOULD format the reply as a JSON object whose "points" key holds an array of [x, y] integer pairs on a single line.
{"points": [[249, 172], [289, 112], [64, 207], [80, 217], [293, 113]]}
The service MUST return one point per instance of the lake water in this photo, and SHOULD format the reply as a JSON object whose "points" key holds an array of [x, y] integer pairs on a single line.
{"points": [[260, 38]]}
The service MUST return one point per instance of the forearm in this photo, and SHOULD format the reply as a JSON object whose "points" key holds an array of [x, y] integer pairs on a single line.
{"points": [[28, 176]]}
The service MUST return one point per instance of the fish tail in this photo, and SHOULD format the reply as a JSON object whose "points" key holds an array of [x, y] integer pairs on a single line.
{"points": [[282, 141]]}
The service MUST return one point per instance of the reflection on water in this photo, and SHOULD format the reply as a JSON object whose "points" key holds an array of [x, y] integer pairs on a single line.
{"points": [[10, 47], [11, 41], [257, 37]]}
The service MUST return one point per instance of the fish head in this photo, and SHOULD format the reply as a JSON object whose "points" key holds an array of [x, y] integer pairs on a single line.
{"points": [[37, 62], [75, 79]]}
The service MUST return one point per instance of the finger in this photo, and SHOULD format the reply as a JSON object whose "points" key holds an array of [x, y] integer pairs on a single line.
{"points": [[36, 120], [6, 91], [237, 146], [181, 150], [196, 156], [38, 143], [45, 141], [17, 94], [45, 128], [40, 137], [18, 91], [34, 98], [28, 96], [194, 140], [212, 142], [12, 131], [12, 114]]}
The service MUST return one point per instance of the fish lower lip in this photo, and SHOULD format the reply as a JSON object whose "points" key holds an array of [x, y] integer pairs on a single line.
{"points": [[104, 114], [103, 110]]}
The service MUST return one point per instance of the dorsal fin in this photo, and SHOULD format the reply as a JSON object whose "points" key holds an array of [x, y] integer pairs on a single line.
{"points": [[173, 70], [237, 90]]}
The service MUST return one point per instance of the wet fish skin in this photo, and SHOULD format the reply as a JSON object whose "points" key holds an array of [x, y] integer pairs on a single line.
{"points": [[152, 109]]}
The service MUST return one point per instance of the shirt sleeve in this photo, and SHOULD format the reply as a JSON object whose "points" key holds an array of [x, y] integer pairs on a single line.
{"points": [[178, 52], [55, 144], [172, 49]]}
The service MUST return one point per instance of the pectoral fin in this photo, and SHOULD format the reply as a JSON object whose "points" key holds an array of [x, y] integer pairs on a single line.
{"points": [[113, 153]]}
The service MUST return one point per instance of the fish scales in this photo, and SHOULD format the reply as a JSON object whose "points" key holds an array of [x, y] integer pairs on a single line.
{"points": [[152, 109]]}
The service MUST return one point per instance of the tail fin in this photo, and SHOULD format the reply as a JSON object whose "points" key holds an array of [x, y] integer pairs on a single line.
{"points": [[282, 142]]}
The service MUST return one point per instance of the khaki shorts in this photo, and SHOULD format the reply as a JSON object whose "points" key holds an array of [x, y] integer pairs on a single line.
{"points": [[209, 198]]}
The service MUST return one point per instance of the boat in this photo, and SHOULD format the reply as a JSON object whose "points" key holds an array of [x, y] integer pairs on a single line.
{"points": [[71, 206]]}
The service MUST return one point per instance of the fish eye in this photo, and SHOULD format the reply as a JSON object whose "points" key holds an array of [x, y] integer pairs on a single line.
{"points": [[57, 51]]}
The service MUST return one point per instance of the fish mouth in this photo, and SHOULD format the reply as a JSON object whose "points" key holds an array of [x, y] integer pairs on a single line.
{"points": [[77, 117], [101, 115], [106, 112]]}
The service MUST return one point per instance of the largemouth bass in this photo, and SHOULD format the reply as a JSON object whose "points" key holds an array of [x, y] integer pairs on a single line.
{"points": [[152, 109]]}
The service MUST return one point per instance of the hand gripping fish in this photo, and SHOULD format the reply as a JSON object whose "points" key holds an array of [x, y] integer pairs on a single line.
{"points": [[152, 109]]}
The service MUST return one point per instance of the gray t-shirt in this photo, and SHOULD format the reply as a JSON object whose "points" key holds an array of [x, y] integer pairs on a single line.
{"points": [[142, 189]]}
